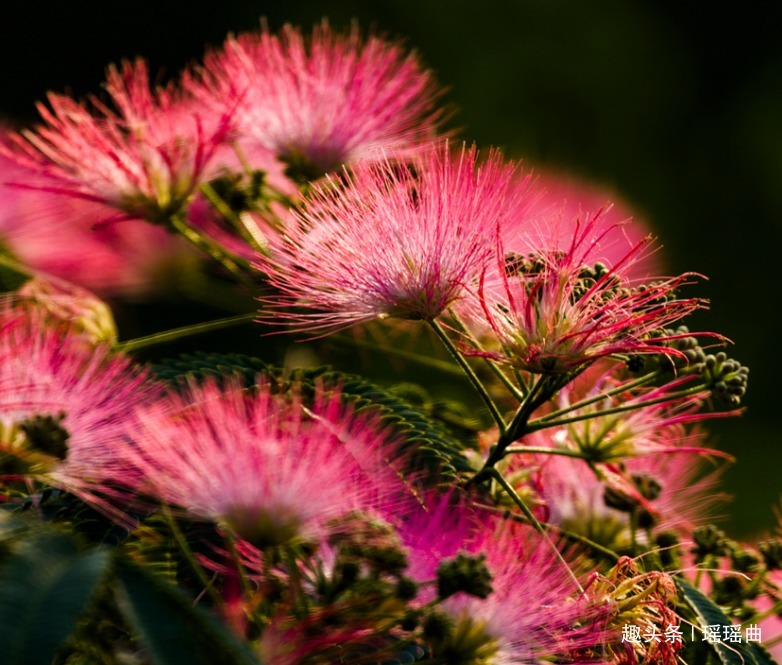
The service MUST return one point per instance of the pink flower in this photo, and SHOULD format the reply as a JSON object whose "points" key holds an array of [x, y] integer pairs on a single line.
{"points": [[552, 311], [400, 241], [532, 612], [64, 403], [318, 103], [143, 158], [62, 237], [264, 465]]}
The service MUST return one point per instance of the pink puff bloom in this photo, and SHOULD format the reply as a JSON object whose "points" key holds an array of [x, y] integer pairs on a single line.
{"points": [[397, 240], [264, 465], [533, 611], [552, 311], [62, 237], [677, 492], [318, 103], [143, 158], [64, 403]]}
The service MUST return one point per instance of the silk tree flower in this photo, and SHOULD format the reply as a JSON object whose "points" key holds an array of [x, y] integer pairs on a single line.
{"points": [[317, 103], [552, 312], [654, 421], [264, 466], [404, 241], [677, 492], [64, 403], [143, 158], [60, 237], [533, 613]]}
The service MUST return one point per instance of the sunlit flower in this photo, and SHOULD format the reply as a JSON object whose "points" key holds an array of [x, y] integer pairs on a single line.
{"points": [[143, 158], [265, 466], [532, 611], [319, 102], [64, 402], [404, 241], [552, 312], [62, 237]]}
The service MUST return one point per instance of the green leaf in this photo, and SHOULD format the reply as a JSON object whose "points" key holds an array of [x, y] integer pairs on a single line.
{"points": [[45, 586], [198, 366], [710, 614], [173, 630]]}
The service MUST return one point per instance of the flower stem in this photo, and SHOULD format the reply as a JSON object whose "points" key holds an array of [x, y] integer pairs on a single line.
{"points": [[184, 547], [596, 398], [546, 451], [476, 382], [512, 388], [212, 249], [185, 331], [236, 220], [543, 423], [496, 475], [439, 365]]}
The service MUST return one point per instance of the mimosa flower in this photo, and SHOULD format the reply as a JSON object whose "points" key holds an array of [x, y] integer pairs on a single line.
{"points": [[64, 403], [321, 102], [399, 241], [552, 312], [263, 465], [62, 237], [143, 158]]}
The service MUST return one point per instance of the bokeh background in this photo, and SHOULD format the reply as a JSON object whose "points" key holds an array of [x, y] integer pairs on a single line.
{"points": [[674, 105]]}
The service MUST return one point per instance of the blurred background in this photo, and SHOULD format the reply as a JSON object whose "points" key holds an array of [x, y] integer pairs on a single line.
{"points": [[675, 109]]}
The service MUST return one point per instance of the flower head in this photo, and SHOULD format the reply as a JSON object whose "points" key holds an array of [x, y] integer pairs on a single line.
{"points": [[553, 312], [143, 158], [263, 465], [398, 240], [64, 402], [318, 103]]}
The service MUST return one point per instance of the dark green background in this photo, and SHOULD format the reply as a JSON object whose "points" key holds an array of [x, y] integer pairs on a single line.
{"points": [[675, 104]]}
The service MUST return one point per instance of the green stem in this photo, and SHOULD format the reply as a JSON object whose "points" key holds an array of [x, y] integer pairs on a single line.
{"points": [[774, 609], [512, 388], [434, 363], [184, 547], [212, 249], [609, 393], [185, 331], [476, 382], [546, 451], [570, 535], [542, 423], [238, 563], [236, 220], [496, 475]]}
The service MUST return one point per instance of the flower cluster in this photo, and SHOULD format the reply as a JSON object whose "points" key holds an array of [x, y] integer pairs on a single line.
{"points": [[311, 515]]}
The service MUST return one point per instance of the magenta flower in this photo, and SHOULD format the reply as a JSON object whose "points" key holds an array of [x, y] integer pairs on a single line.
{"points": [[64, 403], [318, 103], [552, 311], [263, 465], [400, 241], [62, 237], [143, 158]]}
